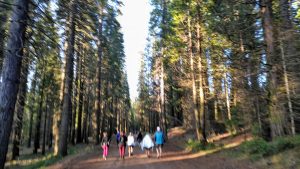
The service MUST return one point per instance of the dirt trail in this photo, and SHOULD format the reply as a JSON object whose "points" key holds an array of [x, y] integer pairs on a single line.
{"points": [[174, 157]]}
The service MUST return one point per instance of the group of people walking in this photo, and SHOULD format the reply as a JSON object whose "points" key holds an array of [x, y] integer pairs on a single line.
{"points": [[146, 143]]}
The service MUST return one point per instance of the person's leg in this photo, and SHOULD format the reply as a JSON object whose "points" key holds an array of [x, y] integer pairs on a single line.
{"points": [[120, 151], [129, 151], [103, 152], [160, 150], [124, 148], [157, 150], [123, 151], [106, 151]]}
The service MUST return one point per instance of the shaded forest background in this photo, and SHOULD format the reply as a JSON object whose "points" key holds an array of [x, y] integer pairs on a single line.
{"points": [[211, 66]]}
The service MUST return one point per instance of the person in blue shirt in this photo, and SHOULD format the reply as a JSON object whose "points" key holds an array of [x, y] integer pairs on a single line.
{"points": [[118, 137], [159, 141]]}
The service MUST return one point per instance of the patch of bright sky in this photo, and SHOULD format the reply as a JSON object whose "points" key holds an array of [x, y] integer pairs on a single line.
{"points": [[134, 22]]}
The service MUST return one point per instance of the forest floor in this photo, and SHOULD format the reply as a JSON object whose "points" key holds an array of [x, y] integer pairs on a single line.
{"points": [[225, 154], [174, 156]]}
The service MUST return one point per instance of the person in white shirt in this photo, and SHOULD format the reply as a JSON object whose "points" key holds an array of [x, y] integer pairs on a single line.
{"points": [[147, 143], [130, 143]]}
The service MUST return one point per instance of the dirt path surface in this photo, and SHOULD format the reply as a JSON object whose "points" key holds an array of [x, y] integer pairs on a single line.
{"points": [[174, 157]]}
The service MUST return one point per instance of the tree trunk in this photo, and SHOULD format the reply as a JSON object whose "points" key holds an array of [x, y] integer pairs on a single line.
{"points": [[276, 121], [287, 90], [56, 119], [99, 67], [32, 101], [11, 73], [162, 98], [49, 126], [192, 76], [86, 115], [75, 105], [45, 127], [80, 103], [68, 86], [200, 78], [39, 115], [227, 95], [287, 49], [3, 24], [20, 106]]}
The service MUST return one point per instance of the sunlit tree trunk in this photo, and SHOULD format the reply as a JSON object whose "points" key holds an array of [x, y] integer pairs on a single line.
{"points": [[287, 49], [192, 76], [227, 95], [57, 115], [202, 105], [287, 90]]}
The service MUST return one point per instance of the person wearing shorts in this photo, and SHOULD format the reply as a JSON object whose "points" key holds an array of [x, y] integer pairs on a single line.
{"points": [[159, 141], [130, 143]]}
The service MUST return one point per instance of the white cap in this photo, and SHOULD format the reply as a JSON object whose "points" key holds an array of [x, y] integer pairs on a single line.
{"points": [[158, 128]]}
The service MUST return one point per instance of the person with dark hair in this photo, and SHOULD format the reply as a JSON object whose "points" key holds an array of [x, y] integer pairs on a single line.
{"points": [[122, 144], [139, 137], [105, 145], [118, 137]]}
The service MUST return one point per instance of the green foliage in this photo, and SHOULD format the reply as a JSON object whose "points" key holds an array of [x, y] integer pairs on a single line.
{"points": [[257, 147], [260, 148], [236, 121], [255, 130], [195, 146]]}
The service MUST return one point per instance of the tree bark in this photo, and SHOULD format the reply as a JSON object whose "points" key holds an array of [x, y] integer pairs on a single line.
{"points": [[162, 73], [192, 76], [11, 73], [99, 67], [80, 103], [75, 105], [227, 95], [200, 78], [32, 101], [287, 90], [68, 86], [275, 114], [45, 127], [20, 106], [3, 24], [39, 115], [287, 49]]}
